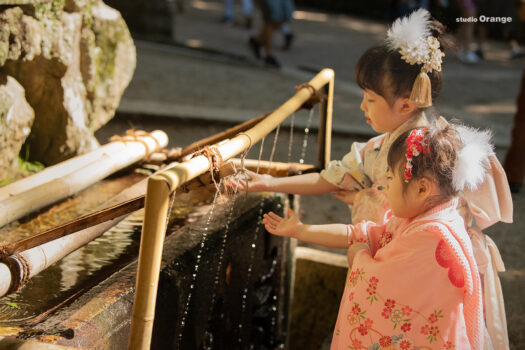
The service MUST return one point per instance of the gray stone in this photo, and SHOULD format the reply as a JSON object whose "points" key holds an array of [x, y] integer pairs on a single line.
{"points": [[108, 60], [319, 279], [16, 118]]}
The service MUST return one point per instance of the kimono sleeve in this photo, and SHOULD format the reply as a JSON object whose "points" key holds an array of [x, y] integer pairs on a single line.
{"points": [[366, 232], [349, 173]]}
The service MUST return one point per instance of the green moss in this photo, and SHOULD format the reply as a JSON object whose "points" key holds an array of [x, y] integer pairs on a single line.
{"points": [[50, 10], [4, 51], [25, 166], [108, 44]]}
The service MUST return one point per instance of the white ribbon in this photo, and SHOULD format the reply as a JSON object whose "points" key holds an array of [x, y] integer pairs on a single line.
{"points": [[490, 263]]}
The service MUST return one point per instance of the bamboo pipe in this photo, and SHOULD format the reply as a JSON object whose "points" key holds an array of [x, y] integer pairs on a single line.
{"points": [[41, 257], [73, 226], [59, 170], [221, 136], [181, 173], [273, 168], [47, 193], [161, 185]]}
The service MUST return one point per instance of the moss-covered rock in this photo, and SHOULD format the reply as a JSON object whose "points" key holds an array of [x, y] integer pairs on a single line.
{"points": [[74, 58], [108, 60]]}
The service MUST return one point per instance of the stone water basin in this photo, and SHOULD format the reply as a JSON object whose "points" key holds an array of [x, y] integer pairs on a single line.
{"points": [[237, 297]]}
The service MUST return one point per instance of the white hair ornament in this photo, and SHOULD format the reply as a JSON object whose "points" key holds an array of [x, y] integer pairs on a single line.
{"points": [[473, 158], [411, 37]]}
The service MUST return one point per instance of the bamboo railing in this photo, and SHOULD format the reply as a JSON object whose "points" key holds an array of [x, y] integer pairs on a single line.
{"points": [[163, 184]]}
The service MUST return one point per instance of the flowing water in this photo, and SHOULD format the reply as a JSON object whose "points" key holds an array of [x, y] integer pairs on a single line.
{"points": [[305, 137], [196, 268]]}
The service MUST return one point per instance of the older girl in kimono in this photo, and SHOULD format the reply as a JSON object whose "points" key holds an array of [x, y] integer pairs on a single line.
{"points": [[414, 282]]}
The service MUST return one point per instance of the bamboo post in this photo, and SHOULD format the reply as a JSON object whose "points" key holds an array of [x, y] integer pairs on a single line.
{"points": [[155, 218], [46, 193], [324, 138], [150, 256]]}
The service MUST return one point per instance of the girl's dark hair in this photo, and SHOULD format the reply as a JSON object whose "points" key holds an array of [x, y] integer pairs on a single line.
{"points": [[383, 71], [439, 164]]}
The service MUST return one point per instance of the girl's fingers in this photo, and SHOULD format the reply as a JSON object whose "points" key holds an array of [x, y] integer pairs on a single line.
{"points": [[275, 216], [270, 220]]}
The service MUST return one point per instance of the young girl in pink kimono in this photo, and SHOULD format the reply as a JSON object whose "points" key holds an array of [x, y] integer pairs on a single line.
{"points": [[400, 78], [414, 282]]}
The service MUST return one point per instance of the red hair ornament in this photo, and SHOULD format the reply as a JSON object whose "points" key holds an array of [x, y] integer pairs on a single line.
{"points": [[415, 146]]}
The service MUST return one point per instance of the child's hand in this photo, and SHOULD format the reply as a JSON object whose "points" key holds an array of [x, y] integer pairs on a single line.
{"points": [[346, 196], [252, 182], [280, 226]]}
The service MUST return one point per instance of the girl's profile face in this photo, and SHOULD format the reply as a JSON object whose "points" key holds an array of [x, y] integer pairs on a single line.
{"points": [[403, 203], [379, 114]]}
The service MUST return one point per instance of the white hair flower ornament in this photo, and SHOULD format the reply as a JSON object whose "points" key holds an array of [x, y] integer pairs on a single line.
{"points": [[411, 37]]}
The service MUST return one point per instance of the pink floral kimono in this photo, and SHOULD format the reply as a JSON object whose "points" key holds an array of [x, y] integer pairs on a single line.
{"points": [[364, 169], [417, 286]]}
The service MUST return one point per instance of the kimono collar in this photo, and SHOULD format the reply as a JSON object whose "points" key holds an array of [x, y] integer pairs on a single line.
{"points": [[441, 210]]}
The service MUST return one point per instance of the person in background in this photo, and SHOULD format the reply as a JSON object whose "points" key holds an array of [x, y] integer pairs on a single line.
{"points": [[275, 13], [247, 11], [514, 162], [465, 33]]}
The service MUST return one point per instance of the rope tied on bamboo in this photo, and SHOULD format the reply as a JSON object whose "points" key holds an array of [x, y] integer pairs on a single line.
{"points": [[215, 159], [19, 268], [133, 135], [315, 97]]}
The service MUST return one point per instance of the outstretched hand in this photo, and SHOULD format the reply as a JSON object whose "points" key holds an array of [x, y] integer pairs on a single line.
{"points": [[280, 226], [251, 182]]}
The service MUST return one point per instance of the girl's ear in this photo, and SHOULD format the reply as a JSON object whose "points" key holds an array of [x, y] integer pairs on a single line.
{"points": [[406, 106], [425, 188]]}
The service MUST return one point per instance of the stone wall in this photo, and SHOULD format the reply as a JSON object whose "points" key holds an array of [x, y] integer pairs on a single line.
{"points": [[72, 59]]}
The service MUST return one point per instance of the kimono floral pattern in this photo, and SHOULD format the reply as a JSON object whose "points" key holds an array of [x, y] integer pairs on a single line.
{"points": [[403, 317]]}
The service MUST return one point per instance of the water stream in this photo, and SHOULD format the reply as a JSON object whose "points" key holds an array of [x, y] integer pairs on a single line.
{"points": [[196, 268]]}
